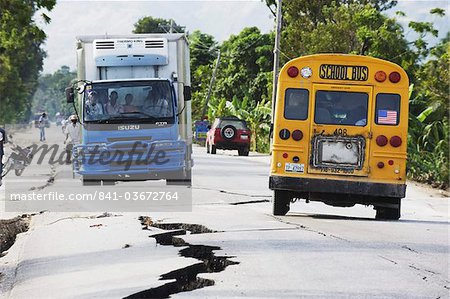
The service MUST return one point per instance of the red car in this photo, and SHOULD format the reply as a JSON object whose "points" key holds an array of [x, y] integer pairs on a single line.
{"points": [[228, 133]]}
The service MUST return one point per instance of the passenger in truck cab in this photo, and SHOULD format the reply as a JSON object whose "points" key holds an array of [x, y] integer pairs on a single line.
{"points": [[113, 107], [129, 107], [156, 103], [93, 108]]}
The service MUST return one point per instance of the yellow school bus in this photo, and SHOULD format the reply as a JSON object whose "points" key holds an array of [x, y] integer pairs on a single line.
{"points": [[340, 130]]}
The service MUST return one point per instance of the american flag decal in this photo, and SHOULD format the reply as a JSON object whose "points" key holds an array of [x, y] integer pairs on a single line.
{"points": [[387, 117]]}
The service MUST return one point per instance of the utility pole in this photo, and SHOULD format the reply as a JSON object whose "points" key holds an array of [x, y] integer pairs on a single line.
{"points": [[211, 84], [171, 26], [276, 58]]}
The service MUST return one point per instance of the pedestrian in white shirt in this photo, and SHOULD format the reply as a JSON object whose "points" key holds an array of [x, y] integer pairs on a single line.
{"points": [[73, 136]]}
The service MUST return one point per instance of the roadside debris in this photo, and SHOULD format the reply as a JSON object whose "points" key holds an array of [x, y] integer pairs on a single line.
{"points": [[96, 225]]}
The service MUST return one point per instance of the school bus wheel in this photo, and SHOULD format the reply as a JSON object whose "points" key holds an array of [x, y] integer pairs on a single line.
{"points": [[281, 202], [391, 212]]}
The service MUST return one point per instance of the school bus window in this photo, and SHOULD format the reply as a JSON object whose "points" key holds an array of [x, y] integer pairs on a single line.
{"points": [[296, 102], [341, 108], [387, 110]]}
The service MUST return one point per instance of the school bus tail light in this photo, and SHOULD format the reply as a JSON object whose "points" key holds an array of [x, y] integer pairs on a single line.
{"points": [[380, 76], [297, 135], [381, 140], [395, 141], [284, 134], [394, 77], [292, 71]]}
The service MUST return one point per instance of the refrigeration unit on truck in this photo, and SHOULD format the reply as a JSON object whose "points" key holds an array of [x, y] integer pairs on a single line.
{"points": [[134, 106]]}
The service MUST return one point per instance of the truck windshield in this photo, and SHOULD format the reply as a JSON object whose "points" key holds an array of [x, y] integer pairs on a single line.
{"points": [[118, 102]]}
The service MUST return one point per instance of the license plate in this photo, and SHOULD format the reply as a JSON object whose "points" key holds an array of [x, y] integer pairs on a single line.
{"points": [[245, 137], [294, 167]]}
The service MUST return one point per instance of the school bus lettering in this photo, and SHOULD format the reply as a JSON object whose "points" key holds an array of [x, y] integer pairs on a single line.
{"points": [[343, 72]]}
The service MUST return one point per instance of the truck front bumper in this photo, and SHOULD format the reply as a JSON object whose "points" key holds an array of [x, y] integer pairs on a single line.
{"points": [[124, 159]]}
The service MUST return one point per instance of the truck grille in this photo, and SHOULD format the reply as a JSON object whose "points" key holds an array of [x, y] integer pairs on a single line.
{"points": [[154, 44], [105, 45]]}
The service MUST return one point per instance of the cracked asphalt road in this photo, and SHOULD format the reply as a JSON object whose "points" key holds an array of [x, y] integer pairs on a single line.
{"points": [[314, 251]]}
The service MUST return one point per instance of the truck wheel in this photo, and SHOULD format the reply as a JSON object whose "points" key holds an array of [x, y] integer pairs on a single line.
{"points": [[185, 180], [109, 183], [88, 181], [281, 202], [213, 149], [388, 213]]}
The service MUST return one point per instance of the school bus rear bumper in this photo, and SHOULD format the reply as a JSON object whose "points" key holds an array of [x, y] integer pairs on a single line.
{"points": [[308, 185]]}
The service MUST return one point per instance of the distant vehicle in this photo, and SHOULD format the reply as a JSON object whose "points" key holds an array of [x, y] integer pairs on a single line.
{"points": [[228, 133]]}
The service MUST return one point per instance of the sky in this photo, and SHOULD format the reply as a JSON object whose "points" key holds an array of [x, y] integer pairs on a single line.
{"points": [[71, 18]]}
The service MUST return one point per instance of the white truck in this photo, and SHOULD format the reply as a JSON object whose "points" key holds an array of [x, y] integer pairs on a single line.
{"points": [[135, 109]]}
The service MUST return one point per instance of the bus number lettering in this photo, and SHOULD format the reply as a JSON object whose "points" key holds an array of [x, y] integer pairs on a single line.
{"points": [[340, 132]]}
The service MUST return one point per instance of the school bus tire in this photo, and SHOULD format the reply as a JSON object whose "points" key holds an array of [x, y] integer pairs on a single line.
{"points": [[388, 213], [184, 180], [281, 202]]}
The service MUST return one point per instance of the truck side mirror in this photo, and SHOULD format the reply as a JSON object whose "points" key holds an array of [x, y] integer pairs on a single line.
{"points": [[187, 93], [70, 95]]}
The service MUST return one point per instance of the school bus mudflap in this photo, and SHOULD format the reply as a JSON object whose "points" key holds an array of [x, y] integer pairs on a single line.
{"points": [[365, 190]]}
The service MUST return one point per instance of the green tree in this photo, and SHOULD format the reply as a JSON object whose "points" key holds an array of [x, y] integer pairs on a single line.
{"points": [[428, 142], [155, 25], [245, 70], [50, 95], [203, 52], [21, 55], [337, 28]]}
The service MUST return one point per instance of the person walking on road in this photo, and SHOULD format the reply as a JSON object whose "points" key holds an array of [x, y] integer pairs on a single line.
{"points": [[73, 136], [43, 120], [3, 140]]}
